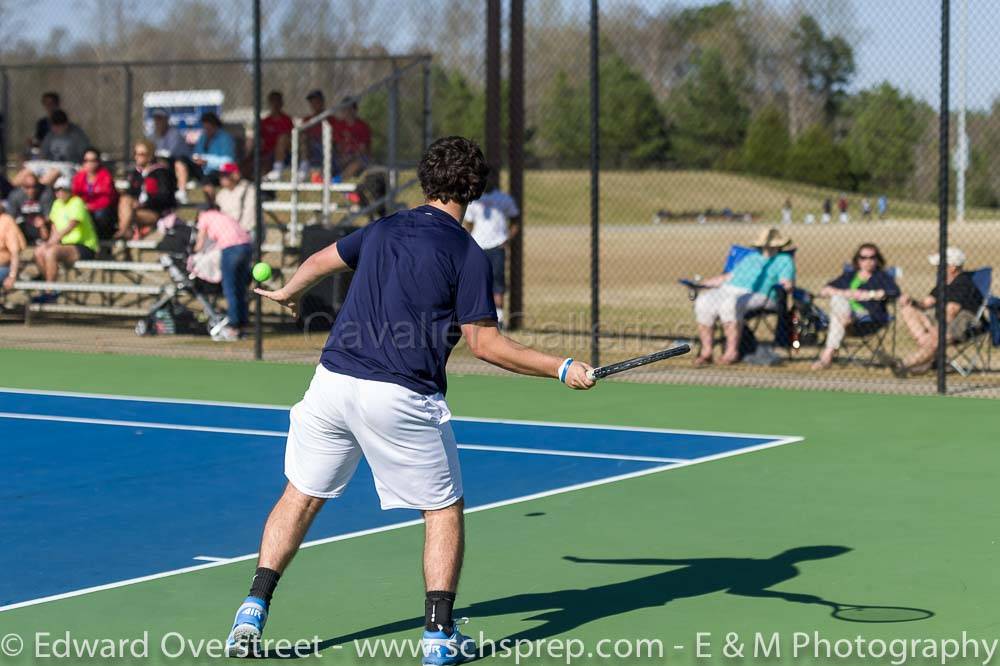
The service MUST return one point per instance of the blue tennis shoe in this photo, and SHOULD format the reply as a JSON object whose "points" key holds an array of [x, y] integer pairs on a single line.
{"points": [[441, 649], [244, 638]]}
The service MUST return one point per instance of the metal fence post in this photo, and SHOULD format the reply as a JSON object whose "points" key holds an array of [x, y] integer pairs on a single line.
{"points": [[127, 121], [428, 92], [393, 130], [327, 170], [515, 159], [258, 322], [943, 169], [595, 195], [293, 215], [4, 114]]}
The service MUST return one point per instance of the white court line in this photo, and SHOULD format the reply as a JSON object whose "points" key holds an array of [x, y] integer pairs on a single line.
{"points": [[472, 419], [343, 537], [208, 558], [570, 454], [141, 424], [282, 434]]}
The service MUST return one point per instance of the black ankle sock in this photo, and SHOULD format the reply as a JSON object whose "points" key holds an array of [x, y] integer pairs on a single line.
{"points": [[437, 611], [264, 582]]}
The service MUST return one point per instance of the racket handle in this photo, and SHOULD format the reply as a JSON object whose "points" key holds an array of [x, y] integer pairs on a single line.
{"points": [[590, 374]]}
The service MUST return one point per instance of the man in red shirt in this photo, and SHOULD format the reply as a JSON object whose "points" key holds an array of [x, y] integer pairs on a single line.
{"points": [[275, 135], [352, 139]]}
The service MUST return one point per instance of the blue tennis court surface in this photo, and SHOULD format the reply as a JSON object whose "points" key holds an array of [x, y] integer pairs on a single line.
{"points": [[100, 489]]}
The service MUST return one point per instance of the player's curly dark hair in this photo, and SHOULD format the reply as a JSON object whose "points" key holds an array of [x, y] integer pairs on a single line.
{"points": [[453, 169]]}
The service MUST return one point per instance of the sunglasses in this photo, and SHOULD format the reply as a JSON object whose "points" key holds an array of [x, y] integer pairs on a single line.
{"points": [[867, 256]]}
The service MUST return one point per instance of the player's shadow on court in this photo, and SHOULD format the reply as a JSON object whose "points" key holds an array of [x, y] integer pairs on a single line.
{"points": [[563, 611]]}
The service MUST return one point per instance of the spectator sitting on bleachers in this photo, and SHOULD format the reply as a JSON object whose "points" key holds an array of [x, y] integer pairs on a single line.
{"points": [[12, 242], [962, 302], [215, 146], [312, 137], [68, 237], [352, 140], [858, 296], [748, 286], [96, 186], [50, 102], [29, 204], [171, 146], [275, 136], [236, 197], [5, 188], [234, 242], [150, 194], [64, 144]]}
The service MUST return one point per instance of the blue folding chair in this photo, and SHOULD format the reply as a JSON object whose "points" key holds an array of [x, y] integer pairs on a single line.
{"points": [[866, 338], [973, 351], [770, 316]]}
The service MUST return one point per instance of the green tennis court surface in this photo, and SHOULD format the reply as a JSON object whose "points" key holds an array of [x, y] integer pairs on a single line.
{"points": [[888, 501]]}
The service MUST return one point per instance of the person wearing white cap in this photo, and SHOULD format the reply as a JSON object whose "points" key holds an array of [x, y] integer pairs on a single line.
{"points": [[746, 287], [68, 236], [962, 300]]}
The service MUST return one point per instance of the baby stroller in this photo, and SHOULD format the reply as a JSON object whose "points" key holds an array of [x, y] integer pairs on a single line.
{"points": [[171, 314]]}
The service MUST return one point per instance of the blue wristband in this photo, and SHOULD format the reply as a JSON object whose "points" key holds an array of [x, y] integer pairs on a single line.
{"points": [[564, 368]]}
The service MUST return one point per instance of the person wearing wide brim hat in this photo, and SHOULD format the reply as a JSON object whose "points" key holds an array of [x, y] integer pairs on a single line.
{"points": [[962, 303], [749, 285], [773, 239]]}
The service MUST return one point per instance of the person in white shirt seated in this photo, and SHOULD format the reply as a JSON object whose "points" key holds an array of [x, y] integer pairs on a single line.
{"points": [[488, 220], [236, 197]]}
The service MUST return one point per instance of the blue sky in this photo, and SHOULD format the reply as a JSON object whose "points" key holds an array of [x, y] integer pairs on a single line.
{"points": [[899, 39]]}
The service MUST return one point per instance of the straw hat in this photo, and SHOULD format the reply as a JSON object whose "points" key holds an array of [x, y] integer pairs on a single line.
{"points": [[774, 239]]}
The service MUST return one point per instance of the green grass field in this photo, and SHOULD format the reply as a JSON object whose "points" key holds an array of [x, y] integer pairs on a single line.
{"points": [[904, 485]]}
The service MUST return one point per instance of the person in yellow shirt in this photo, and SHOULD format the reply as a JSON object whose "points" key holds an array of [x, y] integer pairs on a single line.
{"points": [[69, 236]]}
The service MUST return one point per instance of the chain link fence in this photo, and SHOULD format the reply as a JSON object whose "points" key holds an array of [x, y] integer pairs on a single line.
{"points": [[719, 121]]}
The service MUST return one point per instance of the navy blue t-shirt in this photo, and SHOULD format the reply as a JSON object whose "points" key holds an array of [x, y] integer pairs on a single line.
{"points": [[418, 277]]}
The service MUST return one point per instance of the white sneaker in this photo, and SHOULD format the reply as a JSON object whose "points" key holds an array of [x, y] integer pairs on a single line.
{"points": [[181, 196], [273, 174]]}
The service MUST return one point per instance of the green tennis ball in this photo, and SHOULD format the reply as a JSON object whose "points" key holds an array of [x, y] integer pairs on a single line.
{"points": [[262, 272]]}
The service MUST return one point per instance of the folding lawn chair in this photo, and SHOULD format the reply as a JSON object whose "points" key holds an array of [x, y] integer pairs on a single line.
{"points": [[974, 350], [770, 316], [865, 341]]}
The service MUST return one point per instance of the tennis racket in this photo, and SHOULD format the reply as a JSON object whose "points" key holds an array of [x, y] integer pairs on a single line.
{"points": [[638, 361], [851, 613]]}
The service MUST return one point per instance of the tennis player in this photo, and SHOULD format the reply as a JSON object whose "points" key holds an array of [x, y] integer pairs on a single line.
{"points": [[420, 283]]}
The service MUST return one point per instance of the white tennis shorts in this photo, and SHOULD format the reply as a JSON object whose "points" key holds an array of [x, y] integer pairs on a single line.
{"points": [[406, 438]]}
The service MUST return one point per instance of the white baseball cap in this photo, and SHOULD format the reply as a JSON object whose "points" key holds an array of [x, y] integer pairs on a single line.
{"points": [[62, 183], [953, 257]]}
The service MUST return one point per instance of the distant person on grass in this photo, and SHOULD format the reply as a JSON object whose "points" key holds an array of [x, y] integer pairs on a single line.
{"points": [[749, 286], [488, 220], [857, 297], [420, 284], [962, 302]]}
